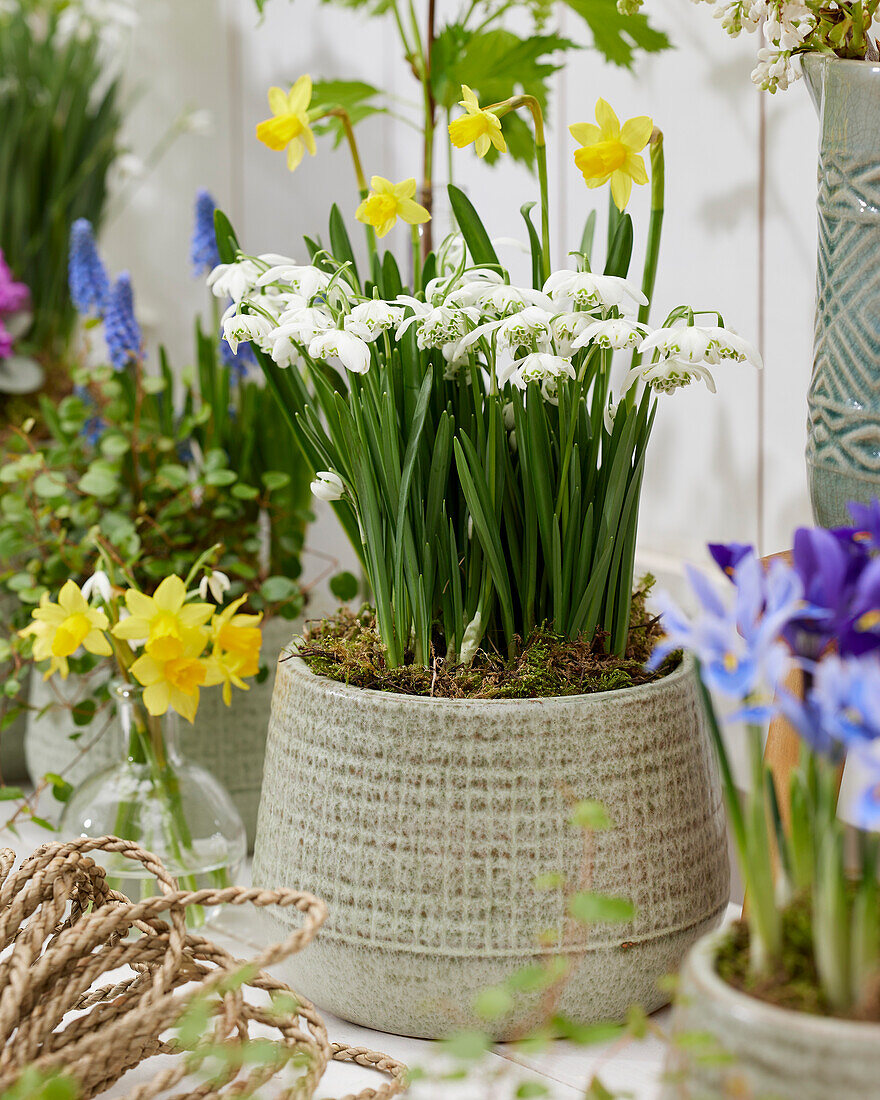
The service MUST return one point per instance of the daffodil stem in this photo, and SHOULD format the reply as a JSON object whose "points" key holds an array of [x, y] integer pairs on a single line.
{"points": [[416, 259], [534, 107], [655, 229], [363, 189]]}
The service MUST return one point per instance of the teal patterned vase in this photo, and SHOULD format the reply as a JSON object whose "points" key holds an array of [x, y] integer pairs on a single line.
{"points": [[843, 444]]}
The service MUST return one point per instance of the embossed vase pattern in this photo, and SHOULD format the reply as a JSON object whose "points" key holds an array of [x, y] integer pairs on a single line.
{"points": [[425, 822], [843, 444]]}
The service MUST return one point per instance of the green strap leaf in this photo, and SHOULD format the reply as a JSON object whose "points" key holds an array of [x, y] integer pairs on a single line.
{"points": [[472, 229]]}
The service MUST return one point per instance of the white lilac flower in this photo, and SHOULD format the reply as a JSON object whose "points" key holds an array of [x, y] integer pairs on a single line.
{"points": [[352, 352], [370, 319], [327, 486], [788, 24], [241, 327], [616, 333], [216, 583], [589, 291], [776, 70], [98, 585], [540, 366]]}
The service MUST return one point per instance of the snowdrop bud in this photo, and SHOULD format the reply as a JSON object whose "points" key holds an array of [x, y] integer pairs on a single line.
{"points": [[98, 585], [471, 640], [216, 583], [327, 486]]}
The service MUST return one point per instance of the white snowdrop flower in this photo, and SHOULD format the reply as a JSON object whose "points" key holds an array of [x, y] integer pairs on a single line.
{"points": [[370, 319], [215, 583], [511, 439], [589, 291], [688, 343], [128, 167], [508, 415], [199, 122], [327, 486], [565, 328], [455, 358], [539, 366], [235, 280], [439, 326], [241, 327], [616, 333], [98, 586], [283, 350], [670, 374], [352, 352], [499, 301], [519, 330], [439, 289], [305, 321], [305, 280], [610, 415], [724, 344]]}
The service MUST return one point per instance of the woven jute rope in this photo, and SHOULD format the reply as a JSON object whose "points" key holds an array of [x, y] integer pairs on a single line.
{"points": [[62, 928]]}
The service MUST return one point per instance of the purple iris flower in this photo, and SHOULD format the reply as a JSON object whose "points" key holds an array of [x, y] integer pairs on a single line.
{"points": [[735, 636], [14, 296], [866, 517], [727, 556]]}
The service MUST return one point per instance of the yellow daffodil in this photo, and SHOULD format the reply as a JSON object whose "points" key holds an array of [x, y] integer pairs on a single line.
{"points": [[163, 620], [610, 151], [288, 128], [60, 629], [175, 681], [237, 640], [389, 201], [477, 126]]}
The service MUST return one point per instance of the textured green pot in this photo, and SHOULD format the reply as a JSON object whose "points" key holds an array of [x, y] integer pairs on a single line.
{"points": [[843, 443], [229, 741], [770, 1053], [425, 822]]}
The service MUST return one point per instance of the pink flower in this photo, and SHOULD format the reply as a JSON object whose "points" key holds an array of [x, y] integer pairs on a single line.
{"points": [[13, 296], [5, 341]]}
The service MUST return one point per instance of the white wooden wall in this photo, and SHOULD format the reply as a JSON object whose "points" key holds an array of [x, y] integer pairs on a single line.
{"points": [[739, 233]]}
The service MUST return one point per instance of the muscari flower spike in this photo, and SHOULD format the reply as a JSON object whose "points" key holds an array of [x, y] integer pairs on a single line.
{"points": [[203, 249], [86, 275], [121, 330]]}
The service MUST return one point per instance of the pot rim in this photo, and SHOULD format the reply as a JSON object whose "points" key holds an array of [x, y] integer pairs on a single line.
{"points": [[686, 670], [701, 964], [813, 57]]}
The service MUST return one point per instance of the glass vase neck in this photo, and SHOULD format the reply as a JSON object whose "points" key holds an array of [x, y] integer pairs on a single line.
{"points": [[142, 736]]}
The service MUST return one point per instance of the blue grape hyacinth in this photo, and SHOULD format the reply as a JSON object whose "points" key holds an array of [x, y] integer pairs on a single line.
{"points": [[87, 277], [121, 330], [203, 250]]}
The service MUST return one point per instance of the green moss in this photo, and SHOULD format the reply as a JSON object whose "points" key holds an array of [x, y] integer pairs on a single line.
{"points": [[794, 984], [347, 648]]}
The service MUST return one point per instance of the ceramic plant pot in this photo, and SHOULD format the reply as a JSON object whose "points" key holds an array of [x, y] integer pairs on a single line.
{"points": [[425, 822], [229, 741], [843, 443], [770, 1053]]}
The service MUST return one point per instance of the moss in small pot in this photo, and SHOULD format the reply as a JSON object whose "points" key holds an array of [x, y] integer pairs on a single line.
{"points": [[347, 648], [794, 984]]}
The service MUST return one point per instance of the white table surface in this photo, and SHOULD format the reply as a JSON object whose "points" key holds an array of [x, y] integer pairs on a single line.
{"points": [[633, 1069]]}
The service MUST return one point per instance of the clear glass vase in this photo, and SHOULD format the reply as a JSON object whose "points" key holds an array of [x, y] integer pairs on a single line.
{"points": [[165, 803]]}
